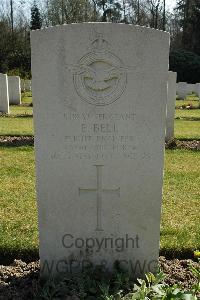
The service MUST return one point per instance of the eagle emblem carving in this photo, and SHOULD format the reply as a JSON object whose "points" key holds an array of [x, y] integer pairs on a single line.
{"points": [[99, 76]]}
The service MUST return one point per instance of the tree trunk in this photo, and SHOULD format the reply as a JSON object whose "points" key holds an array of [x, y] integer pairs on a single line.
{"points": [[164, 15], [11, 15], [62, 7], [138, 12]]}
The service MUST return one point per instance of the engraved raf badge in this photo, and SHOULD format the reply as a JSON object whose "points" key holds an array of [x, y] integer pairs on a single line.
{"points": [[99, 76]]}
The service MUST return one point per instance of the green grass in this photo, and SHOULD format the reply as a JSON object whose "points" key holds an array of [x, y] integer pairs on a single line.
{"points": [[190, 97], [188, 126], [180, 215], [187, 113], [18, 230], [16, 125], [187, 130], [27, 97], [180, 228], [21, 110], [19, 122], [187, 101]]}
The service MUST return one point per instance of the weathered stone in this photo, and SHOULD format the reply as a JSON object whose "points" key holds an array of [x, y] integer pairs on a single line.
{"points": [[14, 88], [171, 100], [4, 96], [182, 90], [99, 93]]}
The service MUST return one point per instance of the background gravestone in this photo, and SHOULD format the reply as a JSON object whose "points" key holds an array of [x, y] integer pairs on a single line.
{"points": [[22, 85], [14, 87], [99, 93], [197, 90], [27, 84], [191, 88], [171, 100], [182, 90], [4, 96]]}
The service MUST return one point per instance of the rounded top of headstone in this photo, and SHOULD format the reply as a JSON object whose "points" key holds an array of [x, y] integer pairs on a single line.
{"points": [[3, 75], [119, 26]]}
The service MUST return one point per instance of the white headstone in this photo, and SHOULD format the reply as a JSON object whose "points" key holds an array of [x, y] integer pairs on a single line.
{"points": [[170, 110], [4, 96], [198, 89], [182, 90], [99, 95], [191, 88], [23, 85], [27, 85], [14, 87]]}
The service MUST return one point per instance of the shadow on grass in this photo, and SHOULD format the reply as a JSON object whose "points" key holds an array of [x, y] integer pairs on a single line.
{"points": [[188, 118], [28, 140], [188, 139], [179, 254], [7, 256], [16, 141], [15, 116], [23, 116]]}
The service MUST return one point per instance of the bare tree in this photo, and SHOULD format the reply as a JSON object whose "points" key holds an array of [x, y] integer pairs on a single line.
{"points": [[164, 14], [94, 10], [11, 15], [154, 10]]}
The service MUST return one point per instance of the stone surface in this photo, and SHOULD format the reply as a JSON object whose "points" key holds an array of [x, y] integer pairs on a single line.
{"points": [[182, 90], [4, 96], [99, 93], [171, 101], [23, 85], [27, 85], [191, 88], [14, 87], [197, 90]]}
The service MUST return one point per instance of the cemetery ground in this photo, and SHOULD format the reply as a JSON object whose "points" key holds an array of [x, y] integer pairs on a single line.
{"points": [[180, 227]]}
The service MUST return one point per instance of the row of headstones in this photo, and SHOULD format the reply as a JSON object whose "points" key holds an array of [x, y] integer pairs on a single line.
{"points": [[171, 103], [10, 92], [25, 85], [183, 89], [100, 93]]}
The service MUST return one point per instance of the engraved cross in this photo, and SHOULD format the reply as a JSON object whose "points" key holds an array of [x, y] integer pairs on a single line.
{"points": [[99, 191]]}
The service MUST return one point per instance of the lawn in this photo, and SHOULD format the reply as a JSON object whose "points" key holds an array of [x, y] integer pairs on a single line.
{"points": [[188, 113], [187, 130], [21, 110], [27, 97], [192, 98], [186, 102], [180, 228], [16, 125], [18, 230], [187, 123], [19, 122]]}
